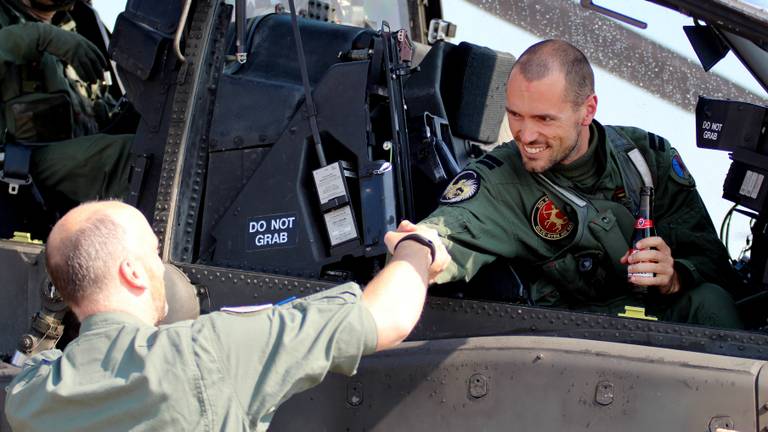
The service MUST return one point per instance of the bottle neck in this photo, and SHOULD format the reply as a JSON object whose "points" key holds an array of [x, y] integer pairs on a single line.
{"points": [[646, 204]]}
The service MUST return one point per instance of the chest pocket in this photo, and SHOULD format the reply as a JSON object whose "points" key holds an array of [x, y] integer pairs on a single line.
{"points": [[40, 117]]}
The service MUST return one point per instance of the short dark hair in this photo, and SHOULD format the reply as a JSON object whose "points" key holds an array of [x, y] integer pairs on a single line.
{"points": [[82, 263], [542, 58]]}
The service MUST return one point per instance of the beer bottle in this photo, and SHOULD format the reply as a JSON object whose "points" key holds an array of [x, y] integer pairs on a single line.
{"points": [[643, 229]]}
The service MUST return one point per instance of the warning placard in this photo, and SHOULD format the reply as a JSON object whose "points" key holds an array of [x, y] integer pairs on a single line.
{"points": [[341, 225], [272, 231]]}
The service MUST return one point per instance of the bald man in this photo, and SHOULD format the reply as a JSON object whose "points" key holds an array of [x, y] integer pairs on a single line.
{"points": [[559, 204], [223, 371]]}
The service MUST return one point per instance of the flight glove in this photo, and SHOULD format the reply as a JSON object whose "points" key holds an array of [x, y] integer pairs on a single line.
{"points": [[23, 43]]}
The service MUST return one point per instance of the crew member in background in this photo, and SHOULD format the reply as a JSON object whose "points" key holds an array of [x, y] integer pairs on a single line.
{"points": [[52, 97], [222, 371], [558, 203]]}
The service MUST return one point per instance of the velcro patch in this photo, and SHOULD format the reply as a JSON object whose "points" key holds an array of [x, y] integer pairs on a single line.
{"points": [[463, 187]]}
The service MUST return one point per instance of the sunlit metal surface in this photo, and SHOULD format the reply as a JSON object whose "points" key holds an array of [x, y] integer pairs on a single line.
{"points": [[359, 13], [755, 8]]}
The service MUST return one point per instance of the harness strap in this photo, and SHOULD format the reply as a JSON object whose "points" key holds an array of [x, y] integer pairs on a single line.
{"points": [[634, 171], [632, 165]]}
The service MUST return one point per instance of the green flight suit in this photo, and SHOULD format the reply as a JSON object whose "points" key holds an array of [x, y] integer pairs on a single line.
{"points": [[75, 163], [570, 254], [220, 372]]}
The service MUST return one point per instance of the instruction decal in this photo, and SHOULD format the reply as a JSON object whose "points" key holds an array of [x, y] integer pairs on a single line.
{"points": [[272, 231]]}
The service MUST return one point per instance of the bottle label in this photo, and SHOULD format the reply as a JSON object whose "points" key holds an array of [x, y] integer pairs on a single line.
{"points": [[633, 251], [643, 223]]}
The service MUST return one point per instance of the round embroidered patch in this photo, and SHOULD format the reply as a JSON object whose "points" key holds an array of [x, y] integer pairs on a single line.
{"points": [[463, 187], [548, 221]]}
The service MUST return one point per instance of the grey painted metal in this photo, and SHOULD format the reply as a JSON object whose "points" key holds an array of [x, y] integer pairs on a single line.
{"points": [[759, 13], [762, 400], [219, 287], [589, 4], [452, 318], [22, 276], [533, 384], [620, 51], [445, 318]]}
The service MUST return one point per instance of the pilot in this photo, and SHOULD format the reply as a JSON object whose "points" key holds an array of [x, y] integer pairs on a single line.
{"points": [[557, 203], [222, 371], [54, 102]]}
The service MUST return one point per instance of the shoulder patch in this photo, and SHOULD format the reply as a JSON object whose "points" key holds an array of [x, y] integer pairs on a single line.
{"points": [[680, 172], [548, 221], [463, 187]]}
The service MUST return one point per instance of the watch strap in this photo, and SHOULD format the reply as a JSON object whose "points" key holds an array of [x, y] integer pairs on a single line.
{"points": [[418, 238]]}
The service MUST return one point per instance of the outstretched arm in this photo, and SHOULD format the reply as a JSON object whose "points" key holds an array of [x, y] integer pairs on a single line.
{"points": [[24, 43], [395, 297]]}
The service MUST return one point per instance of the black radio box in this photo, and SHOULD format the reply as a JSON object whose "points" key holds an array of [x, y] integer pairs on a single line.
{"points": [[729, 125]]}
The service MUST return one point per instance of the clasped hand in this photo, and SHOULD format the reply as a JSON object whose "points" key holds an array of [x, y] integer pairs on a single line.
{"points": [[653, 256], [441, 258]]}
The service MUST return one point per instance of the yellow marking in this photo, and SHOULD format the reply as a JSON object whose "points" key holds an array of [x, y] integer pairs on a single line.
{"points": [[24, 237], [636, 312], [552, 219]]}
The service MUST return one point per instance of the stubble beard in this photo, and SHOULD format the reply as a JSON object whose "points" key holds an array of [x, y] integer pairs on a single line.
{"points": [[555, 159]]}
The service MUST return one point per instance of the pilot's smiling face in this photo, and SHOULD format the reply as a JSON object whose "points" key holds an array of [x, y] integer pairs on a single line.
{"points": [[546, 125]]}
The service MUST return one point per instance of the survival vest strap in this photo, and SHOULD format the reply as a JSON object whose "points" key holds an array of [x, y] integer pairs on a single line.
{"points": [[632, 165], [634, 172]]}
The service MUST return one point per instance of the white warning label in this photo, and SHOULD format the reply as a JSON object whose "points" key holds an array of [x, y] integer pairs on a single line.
{"points": [[330, 182], [341, 225], [711, 131], [751, 185]]}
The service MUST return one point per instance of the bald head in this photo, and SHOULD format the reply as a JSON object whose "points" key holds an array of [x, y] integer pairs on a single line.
{"points": [[556, 56], [86, 246]]}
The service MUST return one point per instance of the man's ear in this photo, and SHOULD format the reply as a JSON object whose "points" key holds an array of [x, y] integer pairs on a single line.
{"points": [[590, 109], [132, 275]]}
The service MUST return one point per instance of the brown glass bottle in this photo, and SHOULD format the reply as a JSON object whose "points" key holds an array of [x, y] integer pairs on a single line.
{"points": [[644, 228]]}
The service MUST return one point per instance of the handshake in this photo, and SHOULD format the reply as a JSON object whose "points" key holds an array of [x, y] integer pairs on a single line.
{"points": [[410, 241]]}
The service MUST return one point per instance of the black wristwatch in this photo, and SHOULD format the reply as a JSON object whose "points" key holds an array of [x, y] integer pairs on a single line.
{"points": [[418, 238]]}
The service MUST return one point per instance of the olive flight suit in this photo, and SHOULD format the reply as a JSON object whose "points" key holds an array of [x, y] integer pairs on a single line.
{"points": [[221, 372], [565, 231], [44, 104]]}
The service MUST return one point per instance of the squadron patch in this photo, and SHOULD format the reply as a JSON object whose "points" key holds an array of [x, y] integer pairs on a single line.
{"points": [[548, 221], [680, 171], [462, 188]]}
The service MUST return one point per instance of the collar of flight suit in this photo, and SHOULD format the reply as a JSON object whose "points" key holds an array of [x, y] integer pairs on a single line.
{"points": [[110, 319]]}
